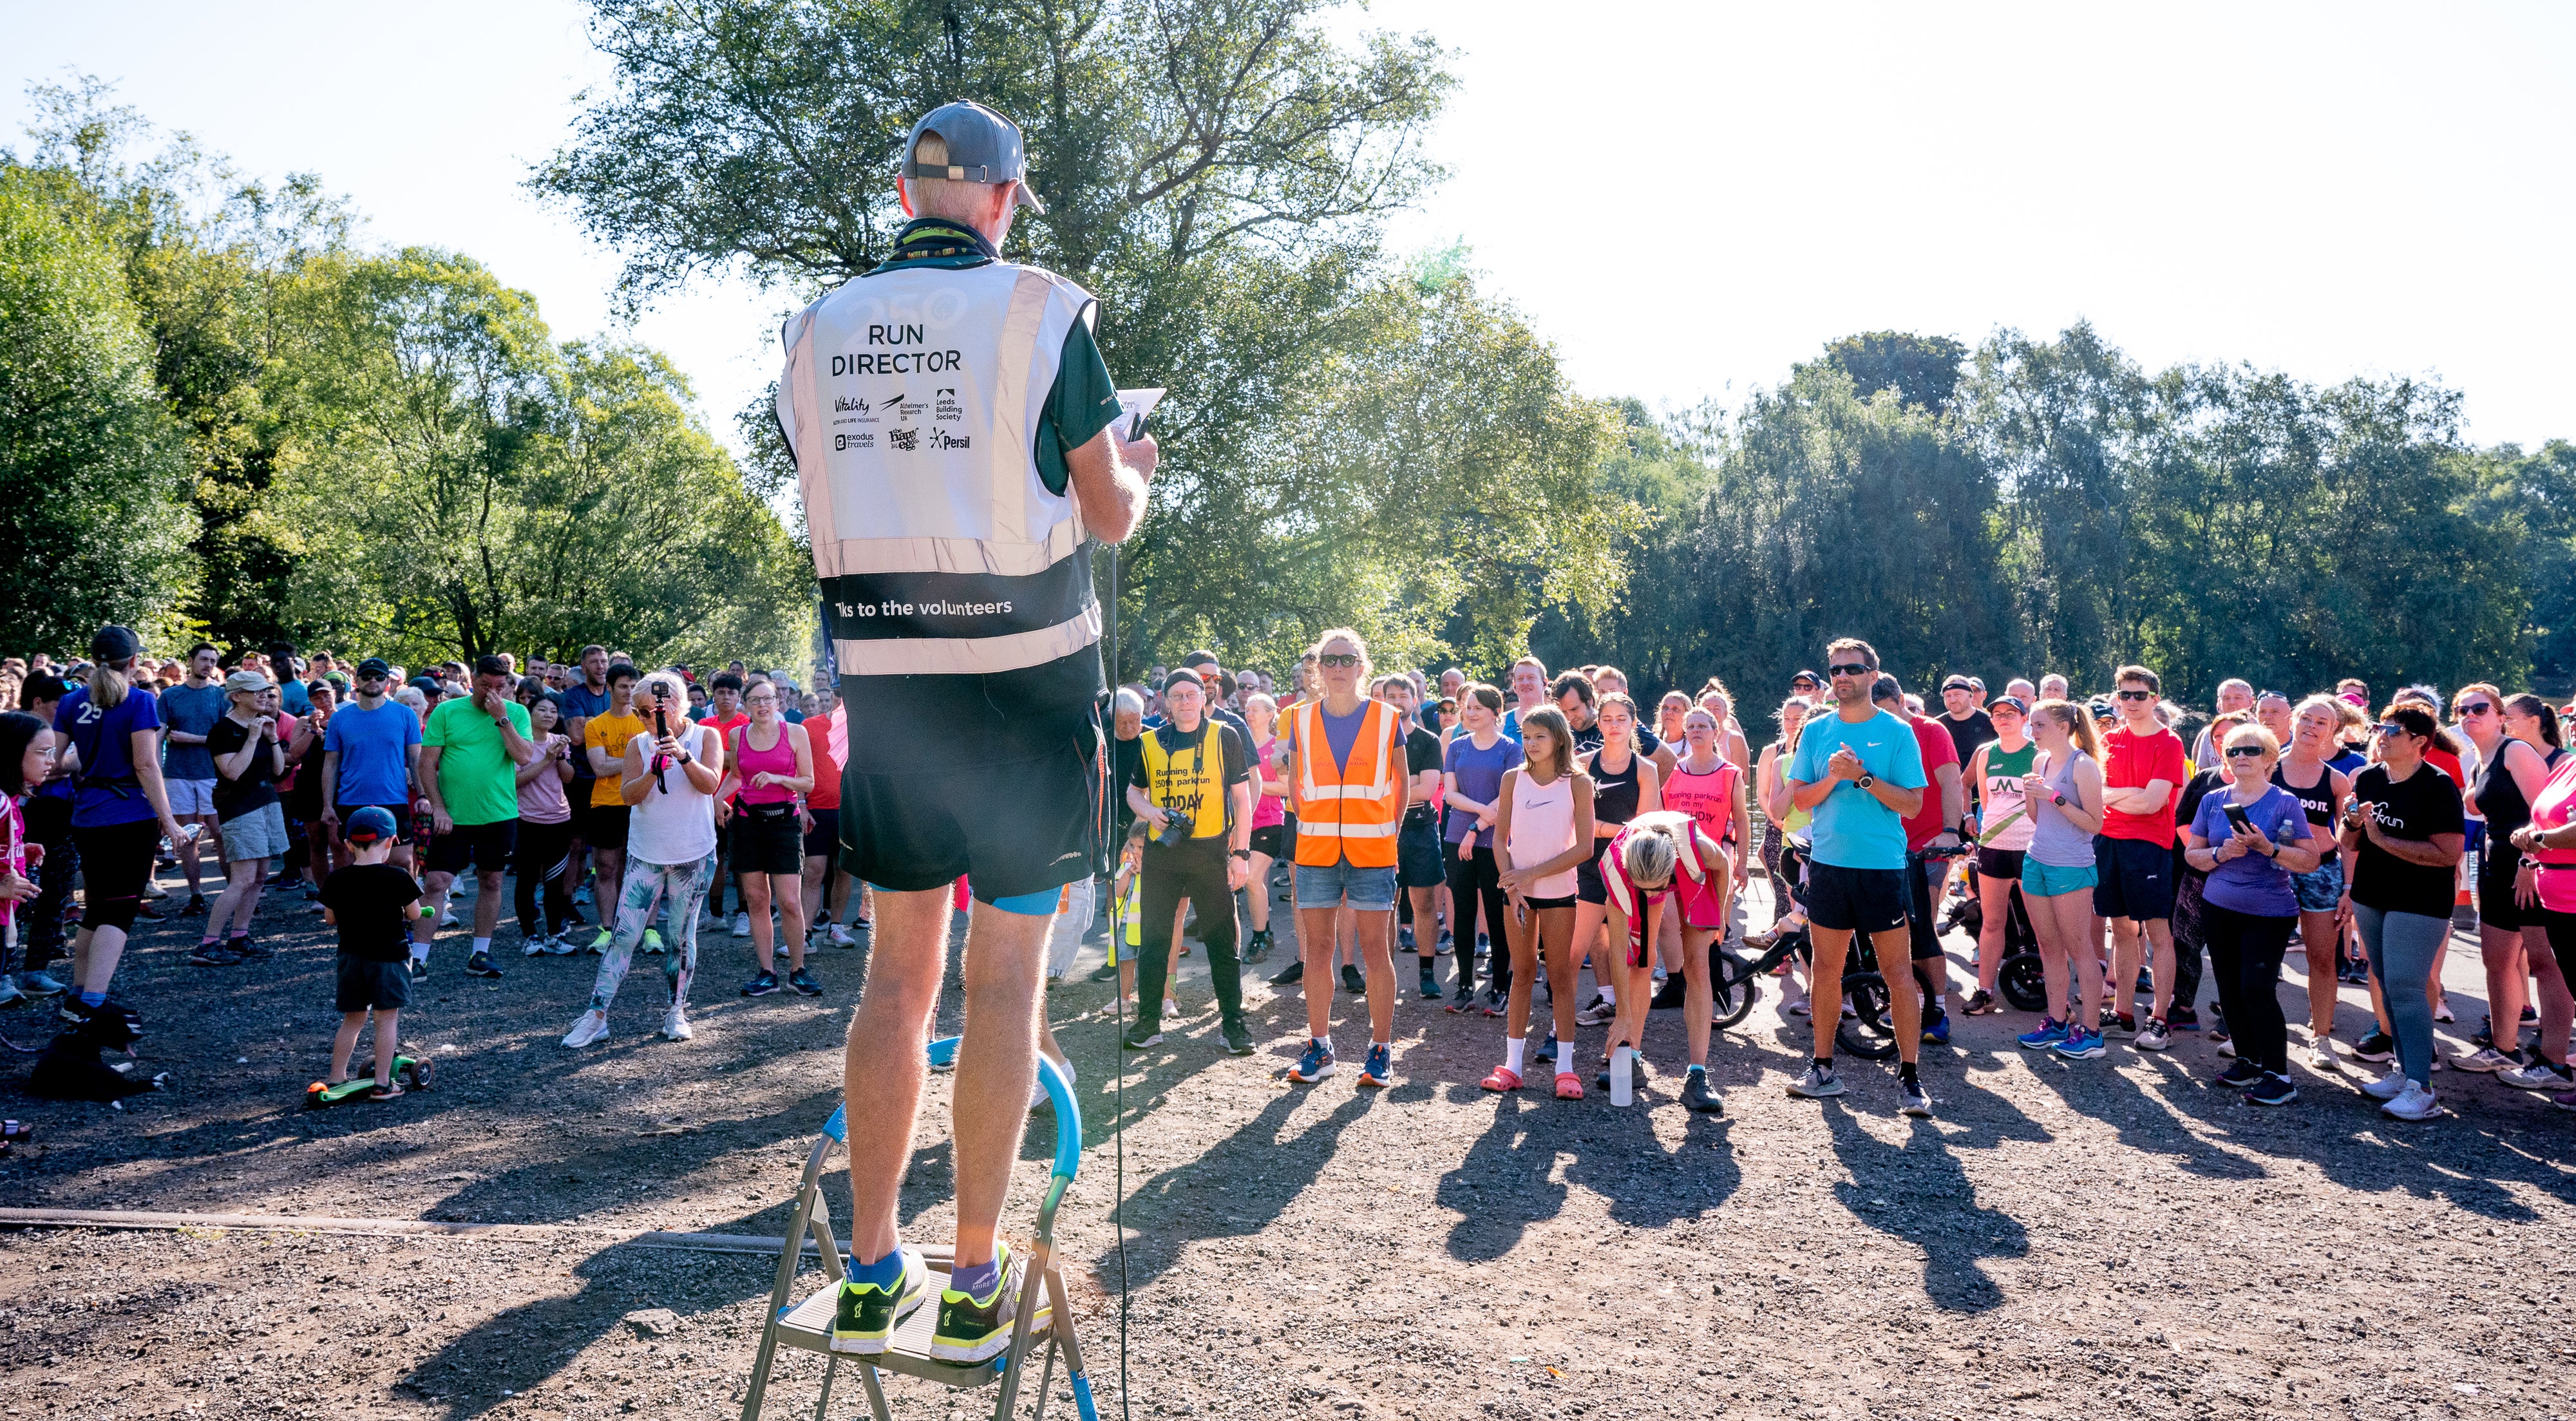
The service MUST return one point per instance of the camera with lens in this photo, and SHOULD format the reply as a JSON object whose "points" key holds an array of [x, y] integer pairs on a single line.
{"points": [[1175, 831]]}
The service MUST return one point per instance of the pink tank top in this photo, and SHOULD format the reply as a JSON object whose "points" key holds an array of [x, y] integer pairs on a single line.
{"points": [[2552, 810], [1268, 809], [778, 759], [1542, 828], [1705, 798]]}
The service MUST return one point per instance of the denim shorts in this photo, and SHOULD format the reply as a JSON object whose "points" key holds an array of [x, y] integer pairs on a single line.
{"points": [[2322, 890], [1368, 889], [2048, 880]]}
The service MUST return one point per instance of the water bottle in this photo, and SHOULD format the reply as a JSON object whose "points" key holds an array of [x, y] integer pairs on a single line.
{"points": [[1623, 1090]]}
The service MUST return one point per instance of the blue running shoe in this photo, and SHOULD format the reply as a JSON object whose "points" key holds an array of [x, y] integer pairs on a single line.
{"points": [[1379, 1067], [1316, 1064], [1938, 1032], [2051, 1032], [1546, 1052], [2082, 1045]]}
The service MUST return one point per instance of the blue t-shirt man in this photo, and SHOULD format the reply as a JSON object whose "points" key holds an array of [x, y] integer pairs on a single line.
{"points": [[1852, 829], [374, 747], [194, 711], [108, 792]]}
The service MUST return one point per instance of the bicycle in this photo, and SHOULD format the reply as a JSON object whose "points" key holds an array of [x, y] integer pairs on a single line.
{"points": [[1870, 1031]]}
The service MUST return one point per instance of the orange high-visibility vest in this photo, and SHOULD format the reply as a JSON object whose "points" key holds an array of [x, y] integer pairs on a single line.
{"points": [[1347, 814]]}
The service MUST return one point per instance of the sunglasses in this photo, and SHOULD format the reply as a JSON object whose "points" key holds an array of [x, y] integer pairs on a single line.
{"points": [[2244, 752], [1338, 659], [2389, 727], [2137, 695], [2474, 707], [1853, 670]]}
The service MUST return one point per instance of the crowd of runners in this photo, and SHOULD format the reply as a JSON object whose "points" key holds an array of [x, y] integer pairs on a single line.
{"points": [[2102, 862]]}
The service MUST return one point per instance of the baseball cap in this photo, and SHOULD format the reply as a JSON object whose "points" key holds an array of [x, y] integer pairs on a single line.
{"points": [[1809, 677], [241, 681], [370, 825], [428, 686], [2013, 701], [113, 643], [375, 666], [983, 147], [1958, 683]]}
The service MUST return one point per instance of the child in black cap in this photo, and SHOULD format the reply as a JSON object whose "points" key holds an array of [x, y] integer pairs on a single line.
{"points": [[373, 904]]}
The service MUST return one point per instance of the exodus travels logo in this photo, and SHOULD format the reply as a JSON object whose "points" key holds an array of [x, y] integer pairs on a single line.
{"points": [[948, 408], [861, 440], [942, 439], [903, 438]]}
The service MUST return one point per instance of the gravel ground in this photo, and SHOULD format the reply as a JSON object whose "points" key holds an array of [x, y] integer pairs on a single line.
{"points": [[2064, 1240]]}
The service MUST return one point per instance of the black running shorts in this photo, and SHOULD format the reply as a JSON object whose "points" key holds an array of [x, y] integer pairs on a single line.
{"points": [[1865, 900], [1011, 827]]}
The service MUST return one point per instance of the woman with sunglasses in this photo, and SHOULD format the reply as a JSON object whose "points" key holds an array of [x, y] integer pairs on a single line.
{"points": [[2308, 772], [2250, 838], [2064, 793], [2003, 835], [2404, 830], [2510, 776]]}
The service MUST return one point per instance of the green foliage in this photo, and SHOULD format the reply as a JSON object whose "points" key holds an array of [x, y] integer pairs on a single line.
{"points": [[1922, 370], [465, 485], [91, 463]]}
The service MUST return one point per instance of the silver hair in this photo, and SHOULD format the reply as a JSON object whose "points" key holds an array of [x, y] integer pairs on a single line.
{"points": [[1127, 702], [1650, 857], [666, 681]]}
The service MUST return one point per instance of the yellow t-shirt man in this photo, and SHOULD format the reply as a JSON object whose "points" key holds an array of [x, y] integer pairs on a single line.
{"points": [[609, 733]]}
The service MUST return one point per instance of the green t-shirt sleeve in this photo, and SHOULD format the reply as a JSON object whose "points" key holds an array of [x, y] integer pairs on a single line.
{"points": [[1082, 403]]}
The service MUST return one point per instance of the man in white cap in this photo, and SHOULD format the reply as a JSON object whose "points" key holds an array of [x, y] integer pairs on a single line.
{"points": [[955, 437]]}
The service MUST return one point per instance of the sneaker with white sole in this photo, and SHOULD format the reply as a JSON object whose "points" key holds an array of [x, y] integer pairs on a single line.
{"points": [[1597, 1013], [589, 1031], [675, 1025], [2486, 1060], [1817, 1083], [2152, 1036], [742, 925], [840, 936], [2387, 1087], [2539, 1075], [865, 1315], [2326, 1057], [2415, 1102]]}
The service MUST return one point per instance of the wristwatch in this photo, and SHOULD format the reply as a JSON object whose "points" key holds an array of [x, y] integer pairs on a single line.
{"points": [[2057, 799], [1866, 781], [1243, 853]]}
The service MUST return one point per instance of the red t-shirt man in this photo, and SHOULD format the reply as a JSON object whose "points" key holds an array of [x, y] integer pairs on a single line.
{"points": [[1938, 749], [2131, 760]]}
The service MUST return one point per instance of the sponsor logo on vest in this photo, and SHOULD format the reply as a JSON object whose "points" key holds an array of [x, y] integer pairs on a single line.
{"points": [[903, 438], [847, 404], [908, 409], [947, 407], [861, 440], [942, 439]]}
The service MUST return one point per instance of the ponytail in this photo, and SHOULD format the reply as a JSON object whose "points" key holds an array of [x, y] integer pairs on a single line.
{"points": [[2078, 721], [108, 684]]}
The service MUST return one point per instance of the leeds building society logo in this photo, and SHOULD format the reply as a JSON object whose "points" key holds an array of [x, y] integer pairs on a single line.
{"points": [[948, 411], [903, 438]]}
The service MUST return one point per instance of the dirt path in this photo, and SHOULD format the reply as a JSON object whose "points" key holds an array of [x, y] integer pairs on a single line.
{"points": [[2120, 1236]]}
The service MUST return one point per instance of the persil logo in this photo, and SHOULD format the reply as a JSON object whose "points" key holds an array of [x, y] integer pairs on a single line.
{"points": [[942, 439]]}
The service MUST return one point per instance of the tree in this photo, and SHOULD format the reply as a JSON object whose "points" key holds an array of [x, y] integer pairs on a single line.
{"points": [[1922, 370], [91, 464]]}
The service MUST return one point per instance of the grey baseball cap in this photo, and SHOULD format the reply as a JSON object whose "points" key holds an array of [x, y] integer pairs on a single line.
{"points": [[983, 147]]}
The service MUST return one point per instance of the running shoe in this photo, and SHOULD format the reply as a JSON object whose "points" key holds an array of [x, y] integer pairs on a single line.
{"points": [[1817, 1083], [865, 1315], [600, 944], [39, 984], [1937, 1032], [675, 1024], [1238, 1038], [1378, 1069], [2485, 1061], [2153, 1036], [533, 946], [2324, 1056], [2562, 1100], [1636, 1074], [1256, 946], [1670, 994], [2273, 1090], [2117, 1023], [1597, 1012], [839, 936], [214, 954], [973, 1329], [480, 965], [803, 982], [1428, 988], [561, 944], [741, 926], [1293, 972], [1446, 945], [761, 985], [2241, 1074], [2051, 1033], [420, 969], [2387, 1087], [2415, 1102], [2377, 1047], [1404, 938], [1352, 981], [1142, 1036], [1314, 1065], [1494, 1003], [10, 996], [653, 946], [1981, 1003], [589, 1031], [2442, 1013], [1912, 1099], [2225, 1044], [2081, 1045], [2538, 1075], [196, 905], [2182, 1019], [1546, 1050], [1483, 947], [1697, 1095], [240, 945]]}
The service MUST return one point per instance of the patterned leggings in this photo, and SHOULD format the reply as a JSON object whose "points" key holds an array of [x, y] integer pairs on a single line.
{"points": [[684, 886]]}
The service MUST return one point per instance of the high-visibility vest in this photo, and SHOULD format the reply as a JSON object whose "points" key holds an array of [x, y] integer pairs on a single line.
{"points": [[1191, 781], [1347, 813], [912, 399]]}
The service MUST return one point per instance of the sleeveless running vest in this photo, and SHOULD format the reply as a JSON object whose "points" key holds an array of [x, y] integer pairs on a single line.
{"points": [[911, 399], [1190, 778], [1542, 828], [1705, 798], [2317, 800], [2004, 817]]}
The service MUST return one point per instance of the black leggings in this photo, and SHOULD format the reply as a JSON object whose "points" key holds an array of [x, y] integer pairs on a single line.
{"points": [[1474, 882], [2562, 938], [544, 857], [1195, 870], [2245, 953]]}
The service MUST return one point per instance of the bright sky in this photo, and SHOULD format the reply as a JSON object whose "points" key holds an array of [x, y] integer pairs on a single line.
{"points": [[2331, 190]]}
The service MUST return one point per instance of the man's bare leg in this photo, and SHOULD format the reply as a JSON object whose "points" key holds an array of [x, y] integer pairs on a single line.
{"points": [[883, 1067]]}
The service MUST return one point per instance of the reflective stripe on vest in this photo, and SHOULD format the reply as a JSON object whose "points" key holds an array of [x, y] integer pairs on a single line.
{"points": [[1614, 864], [1351, 813], [911, 399]]}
